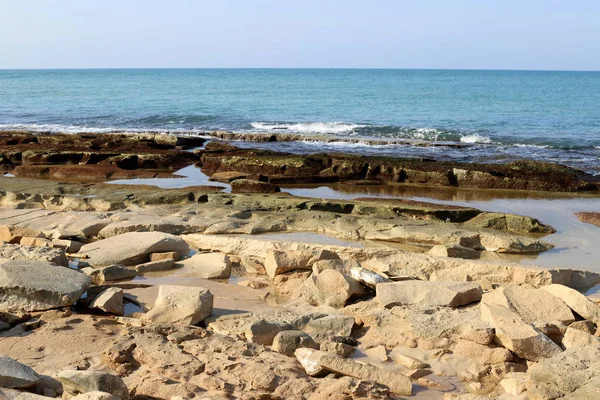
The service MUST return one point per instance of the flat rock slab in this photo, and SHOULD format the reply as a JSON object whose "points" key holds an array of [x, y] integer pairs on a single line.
{"points": [[78, 382], [532, 305], [131, 248], [45, 254], [34, 286], [438, 293], [576, 301], [207, 266]]}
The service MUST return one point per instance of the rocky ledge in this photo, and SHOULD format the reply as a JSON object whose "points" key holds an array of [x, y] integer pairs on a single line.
{"points": [[220, 159], [114, 292], [93, 157]]}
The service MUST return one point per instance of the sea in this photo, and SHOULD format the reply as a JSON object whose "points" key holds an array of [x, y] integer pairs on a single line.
{"points": [[467, 115]]}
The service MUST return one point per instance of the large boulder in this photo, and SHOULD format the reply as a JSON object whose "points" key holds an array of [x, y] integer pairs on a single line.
{"points": [[13, 374], [131, 248], [532, 305], [439, 293], [110, 301], [576, 301], [187, 305], [516, 335], [35, 286], [286, 342], [78, 382]]}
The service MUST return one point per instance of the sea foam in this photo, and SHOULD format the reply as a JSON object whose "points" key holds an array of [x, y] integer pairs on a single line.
{"points": [[334, 128]]}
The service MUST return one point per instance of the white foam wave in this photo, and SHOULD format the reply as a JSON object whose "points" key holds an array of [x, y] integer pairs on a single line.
{"points": [[537, 146], [597, 147], [308, 127], [475, 139]]}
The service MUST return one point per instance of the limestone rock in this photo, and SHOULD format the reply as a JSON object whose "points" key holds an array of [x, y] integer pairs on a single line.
{"points": [[34, 286], [367, 277], [456, 251], [132, 248], [264, 332], [337, 348], [78, 382], [516, 335], [439, 293], [45, 254], [15, 375], [286, 342], [171, 255], [310, 360], [407, 361], [576, 301], [530, 304], [378, 352], [478, 334], [186, 305], [486, 355], [208, 265], [155, 266], [35, 242], [110, 301], [509, 223], [584, 326], [109, 274], [278, 262], [576, 338], [252, 186], [332, 288], [397, 382], [325, 327]]}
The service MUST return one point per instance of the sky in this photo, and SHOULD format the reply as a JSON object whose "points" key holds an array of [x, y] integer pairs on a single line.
{"points": [[436, 34]]}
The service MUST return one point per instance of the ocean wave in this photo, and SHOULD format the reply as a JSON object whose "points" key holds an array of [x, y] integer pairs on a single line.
{"points": [[475, 139], [335, 128]]}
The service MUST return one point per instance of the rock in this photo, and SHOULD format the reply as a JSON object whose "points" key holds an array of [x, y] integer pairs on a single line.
{"points": [[131, 248], [332, 288], [252, 186], [264, 332], [310, 360], [171, 255], [408, 361], [486, 355], [456, 251], [45, 254], [584, 326], [286, 342], [187, 305], [208, 265], [439, 293], [576, 338], [79, 382], [155, 266], [589, 217], [35, 242], [530, 304], [35, 286], [69, 246], [13, 234], [576, 301], [14, 375], [397, 382], [378, 352], [254, 283], [96, 396], [326, 327], [253, 265], [509, 223], [279, 262], [110, 301], [109, 274], [228, 177], [478, 334], [337, 348], [516, 335], [514, 383], [567, 375]]}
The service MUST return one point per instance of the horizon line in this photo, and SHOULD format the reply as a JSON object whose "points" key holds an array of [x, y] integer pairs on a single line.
{"points": [[298, 68]]}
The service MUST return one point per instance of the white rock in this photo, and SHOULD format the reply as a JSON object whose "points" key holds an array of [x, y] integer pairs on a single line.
{"points": [[110, 301], [186, 305], [439, 293], [576, 301], [208, 265]]}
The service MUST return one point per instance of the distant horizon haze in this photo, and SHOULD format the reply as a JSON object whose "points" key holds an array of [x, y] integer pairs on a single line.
{"points": [[537, 35]]}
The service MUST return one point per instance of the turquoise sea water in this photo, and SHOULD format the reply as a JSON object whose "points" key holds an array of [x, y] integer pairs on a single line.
{"points": [[499, 115]]}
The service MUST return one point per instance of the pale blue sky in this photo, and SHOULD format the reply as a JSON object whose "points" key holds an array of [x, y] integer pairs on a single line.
{"points": [[470, 34]]}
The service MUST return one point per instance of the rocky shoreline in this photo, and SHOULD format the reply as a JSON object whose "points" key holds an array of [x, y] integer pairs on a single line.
{"points": [[114, 291]]}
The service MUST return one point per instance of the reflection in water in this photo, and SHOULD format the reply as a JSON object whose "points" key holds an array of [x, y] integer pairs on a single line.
{"points": [[192, 176]]}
